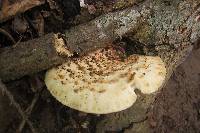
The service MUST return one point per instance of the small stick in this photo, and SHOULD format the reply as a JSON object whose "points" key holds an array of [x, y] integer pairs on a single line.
{"points": [[4, 32], [17, 106], [28, 111], [37, 90]]}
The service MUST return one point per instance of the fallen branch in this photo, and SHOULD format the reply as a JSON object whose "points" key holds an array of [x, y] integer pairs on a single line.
{"points": [[16, 105], [32, 56], [172, 42], [9, 10], [50, 50]]}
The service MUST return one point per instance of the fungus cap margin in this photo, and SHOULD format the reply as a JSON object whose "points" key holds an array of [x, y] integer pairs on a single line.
{"points": [[102, 82]]}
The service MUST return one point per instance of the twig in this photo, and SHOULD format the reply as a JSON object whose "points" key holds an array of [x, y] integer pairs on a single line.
{"points": [[17, 106], [4, 32], [28, 112], [17, 42], [37, 89]]}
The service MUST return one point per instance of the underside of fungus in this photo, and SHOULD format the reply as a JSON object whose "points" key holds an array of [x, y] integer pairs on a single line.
{"points": [[104, 81]]}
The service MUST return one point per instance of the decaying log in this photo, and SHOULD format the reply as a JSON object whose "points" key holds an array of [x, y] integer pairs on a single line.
{"points": [[43, 53], [145, 27], [9, 9], [32, 56]]}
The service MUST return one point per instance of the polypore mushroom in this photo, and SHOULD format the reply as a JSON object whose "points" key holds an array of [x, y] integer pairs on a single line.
{"points": [[104, 82]]}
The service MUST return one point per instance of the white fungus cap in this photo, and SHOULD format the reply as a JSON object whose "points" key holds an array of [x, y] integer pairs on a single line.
{"points": [[102, 82]]}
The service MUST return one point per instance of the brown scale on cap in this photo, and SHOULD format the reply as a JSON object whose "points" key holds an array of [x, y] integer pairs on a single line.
{"points": [[63, 82], [131, 76], [60, 76]]}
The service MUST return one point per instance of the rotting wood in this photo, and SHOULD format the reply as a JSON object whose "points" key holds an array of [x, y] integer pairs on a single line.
{"points": [[32, 56], [43, 53], [40, 54], [8, 9], [103, 30]]}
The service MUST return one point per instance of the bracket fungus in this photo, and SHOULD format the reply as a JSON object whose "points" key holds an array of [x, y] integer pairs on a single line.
{"points": [[103, 81]]}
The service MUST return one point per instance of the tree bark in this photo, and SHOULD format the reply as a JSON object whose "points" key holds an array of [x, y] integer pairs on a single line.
{"points": [[42, 53], [32, 56]]}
